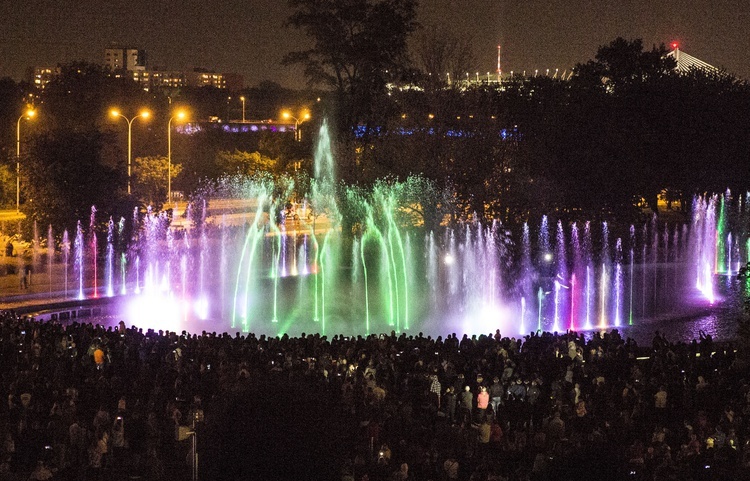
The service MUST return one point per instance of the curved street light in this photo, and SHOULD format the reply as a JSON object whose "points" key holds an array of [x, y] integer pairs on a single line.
{"points": [[28, 115], [116, 113], [179, 115], [305, 116]]}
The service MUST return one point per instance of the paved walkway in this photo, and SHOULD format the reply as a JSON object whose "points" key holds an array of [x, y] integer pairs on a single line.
{"points": [[40, 288]]}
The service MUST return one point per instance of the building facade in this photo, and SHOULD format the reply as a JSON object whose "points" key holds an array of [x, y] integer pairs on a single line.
{"points": [[129, 62], [124, 59], [44, 75]]}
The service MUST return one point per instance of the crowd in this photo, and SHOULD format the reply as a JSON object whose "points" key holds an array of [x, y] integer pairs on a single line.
{"points": [[92, 402]]}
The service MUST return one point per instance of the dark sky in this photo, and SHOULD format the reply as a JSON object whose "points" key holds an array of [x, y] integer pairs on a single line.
{"points": [[248, 36]]}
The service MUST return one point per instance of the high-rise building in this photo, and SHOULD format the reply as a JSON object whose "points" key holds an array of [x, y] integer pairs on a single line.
{"points": [[127, 62], [201, 77], [168, 79], [41, 76], [118, 59]]}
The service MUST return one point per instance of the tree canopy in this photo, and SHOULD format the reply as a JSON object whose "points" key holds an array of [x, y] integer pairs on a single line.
{"points": [[65, 177], [358, 46], [623, 63], [245, 163], [151, 175], [627, 127]]}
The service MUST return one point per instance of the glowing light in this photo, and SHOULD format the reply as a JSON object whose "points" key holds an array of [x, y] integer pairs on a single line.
{"points": [[157, 311], [486, 319], [556, 316], [540, 297], [467, 289], [200, 307], [675, 45], [572, 301], [603, 285]]}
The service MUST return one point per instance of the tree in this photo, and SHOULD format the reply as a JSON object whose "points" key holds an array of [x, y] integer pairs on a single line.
{"points": [[151, 178], [623, 64], [441, 54], [11, 106], [245, 163], [12, 100], [358, 47], [66, 177], [80, 97], [653, 127], [8, 183]]}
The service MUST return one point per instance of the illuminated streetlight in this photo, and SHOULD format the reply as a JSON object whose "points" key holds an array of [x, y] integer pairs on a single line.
{"points": [[179, 115], [305, 116], [116, 113], [243, 108], [29, 114]]}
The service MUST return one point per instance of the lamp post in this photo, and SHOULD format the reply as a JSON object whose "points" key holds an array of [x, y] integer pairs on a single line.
{"points": [[116, 113], [180, 115], [243, 108], [29, 114], [305, 116]]}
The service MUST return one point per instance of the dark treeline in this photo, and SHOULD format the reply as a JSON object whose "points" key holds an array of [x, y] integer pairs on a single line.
{"points": [[623, 128], [605, 142]]}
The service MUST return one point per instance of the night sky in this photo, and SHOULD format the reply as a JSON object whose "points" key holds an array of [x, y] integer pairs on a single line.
{"points": [[248, 36]]}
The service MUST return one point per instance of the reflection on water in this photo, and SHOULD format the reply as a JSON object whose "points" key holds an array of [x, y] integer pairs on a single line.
{"points": [[719, 321]]}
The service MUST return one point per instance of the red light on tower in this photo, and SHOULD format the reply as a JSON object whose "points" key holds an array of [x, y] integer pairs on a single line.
{"points": [[675, 45]]}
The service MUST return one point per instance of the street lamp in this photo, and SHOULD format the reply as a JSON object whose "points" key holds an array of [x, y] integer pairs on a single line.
{"points": [[243, 108], [305, 116], [29, 114], [116, 113], [179, 115]]}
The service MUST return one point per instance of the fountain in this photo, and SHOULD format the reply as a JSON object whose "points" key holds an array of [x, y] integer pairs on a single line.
{"points": [[272, 275]]}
